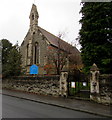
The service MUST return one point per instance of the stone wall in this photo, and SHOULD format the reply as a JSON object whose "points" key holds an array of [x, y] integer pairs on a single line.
{"points": [[100, 86], [47, 85], [105, 88], [63, 83]]}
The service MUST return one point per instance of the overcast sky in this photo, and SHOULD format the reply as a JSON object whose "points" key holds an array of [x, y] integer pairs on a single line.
{"points": [[54, 16]]}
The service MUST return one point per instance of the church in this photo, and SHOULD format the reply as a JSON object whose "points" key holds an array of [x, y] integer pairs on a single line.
{"points": [[48, 52]]}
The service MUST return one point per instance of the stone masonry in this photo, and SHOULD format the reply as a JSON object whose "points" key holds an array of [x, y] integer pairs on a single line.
{"points": [[100, 86], [36, 45], [40, 85]]}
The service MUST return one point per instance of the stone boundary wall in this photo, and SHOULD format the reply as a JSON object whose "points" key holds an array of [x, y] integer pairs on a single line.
{"points": [[105, 88], [47, 85], [100, 86]]}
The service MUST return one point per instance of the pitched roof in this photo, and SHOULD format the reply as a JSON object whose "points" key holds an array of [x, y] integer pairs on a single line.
{"points": [[74, 53], [55, 41]]}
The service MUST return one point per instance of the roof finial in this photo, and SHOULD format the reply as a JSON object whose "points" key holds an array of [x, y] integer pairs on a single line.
{"points": [[94, 68]]}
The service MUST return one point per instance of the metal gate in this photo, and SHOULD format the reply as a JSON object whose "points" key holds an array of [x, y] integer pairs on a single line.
{"points": [[78, 85]]}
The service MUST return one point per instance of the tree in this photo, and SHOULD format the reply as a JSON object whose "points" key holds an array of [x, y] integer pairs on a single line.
{"points": [[62, 55], [14, 61], [11, 59], [57, 58], [6, 47], [95, 35]]}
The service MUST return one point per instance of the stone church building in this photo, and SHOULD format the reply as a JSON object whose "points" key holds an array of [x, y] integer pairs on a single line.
{"points": [[37, 45]]}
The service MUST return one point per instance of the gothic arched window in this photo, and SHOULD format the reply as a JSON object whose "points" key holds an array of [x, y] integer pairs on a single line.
{"points": [[36, 60]]}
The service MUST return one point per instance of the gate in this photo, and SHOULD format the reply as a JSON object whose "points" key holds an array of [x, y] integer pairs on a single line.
{"points": [[78, 85]]}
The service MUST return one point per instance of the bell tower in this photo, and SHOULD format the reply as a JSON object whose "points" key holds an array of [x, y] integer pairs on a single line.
{"points": [[33, 19], [33, 29]]}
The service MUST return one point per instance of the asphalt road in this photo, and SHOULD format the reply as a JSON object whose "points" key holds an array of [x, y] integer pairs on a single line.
{"points": [[19, 108]]}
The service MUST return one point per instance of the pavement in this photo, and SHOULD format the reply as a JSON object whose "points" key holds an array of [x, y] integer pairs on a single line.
{"points": [[69, 103]]}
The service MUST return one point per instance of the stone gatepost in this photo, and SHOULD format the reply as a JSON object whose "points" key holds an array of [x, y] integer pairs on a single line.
{"points": [[94, 83], [63, 83]]}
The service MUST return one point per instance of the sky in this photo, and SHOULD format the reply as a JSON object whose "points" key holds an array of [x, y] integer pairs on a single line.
{"points": [[55, 16]]}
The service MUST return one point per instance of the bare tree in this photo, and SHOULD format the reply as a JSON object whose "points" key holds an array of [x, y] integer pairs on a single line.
{"points": [[62, 55], [57, 57]]}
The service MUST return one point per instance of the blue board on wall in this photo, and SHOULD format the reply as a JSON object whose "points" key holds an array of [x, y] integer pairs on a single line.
{"points": [[34, 69]]}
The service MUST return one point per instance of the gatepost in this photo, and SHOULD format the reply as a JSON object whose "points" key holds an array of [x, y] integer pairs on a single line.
{"points": [[63, 83], [94, 83]]}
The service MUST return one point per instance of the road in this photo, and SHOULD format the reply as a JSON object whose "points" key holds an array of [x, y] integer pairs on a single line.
{"points": [[13, 107]]}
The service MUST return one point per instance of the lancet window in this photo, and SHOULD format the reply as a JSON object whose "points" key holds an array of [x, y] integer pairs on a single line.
{"points": [[36, 60]]}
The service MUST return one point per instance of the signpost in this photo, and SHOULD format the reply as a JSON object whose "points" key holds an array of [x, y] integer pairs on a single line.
{"points": [[34, 69]]}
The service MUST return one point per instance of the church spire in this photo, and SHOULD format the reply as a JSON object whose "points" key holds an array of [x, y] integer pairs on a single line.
{"points": [[33, 18]]}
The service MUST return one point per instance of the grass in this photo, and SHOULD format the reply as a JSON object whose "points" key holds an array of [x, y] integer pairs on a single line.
{"points": [[79, 90]]}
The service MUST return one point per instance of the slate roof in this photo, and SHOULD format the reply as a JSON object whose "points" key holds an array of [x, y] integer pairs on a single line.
{"points": [[54, 41]]}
